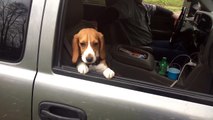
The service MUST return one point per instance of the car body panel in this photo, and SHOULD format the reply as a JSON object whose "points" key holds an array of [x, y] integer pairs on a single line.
{"points": [[100, 101], [17, 78]]}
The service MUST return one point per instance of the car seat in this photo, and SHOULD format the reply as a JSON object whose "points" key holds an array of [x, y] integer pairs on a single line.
{"points": [[74, 21], [127, 65], [72, 17], [118, 34]]}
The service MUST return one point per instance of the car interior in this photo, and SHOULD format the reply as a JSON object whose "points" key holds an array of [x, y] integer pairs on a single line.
{"points": [[196, 68]]}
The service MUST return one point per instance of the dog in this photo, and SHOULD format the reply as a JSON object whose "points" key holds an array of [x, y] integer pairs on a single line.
{"points": [[88, 52]]}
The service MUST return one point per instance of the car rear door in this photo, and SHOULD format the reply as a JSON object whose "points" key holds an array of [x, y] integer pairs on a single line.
{"points": [[66, 95], [18, 64]]}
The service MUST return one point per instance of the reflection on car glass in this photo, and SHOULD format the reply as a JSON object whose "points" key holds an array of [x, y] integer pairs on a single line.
{"points": [[13, 19]]}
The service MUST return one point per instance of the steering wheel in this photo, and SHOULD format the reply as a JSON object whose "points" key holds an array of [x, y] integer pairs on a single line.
{"points": [[178, 24]]}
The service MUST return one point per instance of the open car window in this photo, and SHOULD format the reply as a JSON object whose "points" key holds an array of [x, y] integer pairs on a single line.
{"points": [[135, 67]]}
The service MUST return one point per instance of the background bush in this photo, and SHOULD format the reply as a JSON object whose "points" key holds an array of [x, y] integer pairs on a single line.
{"points": [[174, 5]]}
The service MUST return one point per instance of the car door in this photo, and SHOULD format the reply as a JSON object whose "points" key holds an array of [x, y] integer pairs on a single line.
{"points": [[60, 93], [20, 27]]}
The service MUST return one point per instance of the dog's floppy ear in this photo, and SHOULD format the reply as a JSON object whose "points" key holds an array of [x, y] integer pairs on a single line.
{"points": [[102, 45], [75, 48]]}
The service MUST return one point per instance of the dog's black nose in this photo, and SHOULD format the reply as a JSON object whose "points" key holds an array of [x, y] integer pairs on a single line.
{"points": [[89, 59]]}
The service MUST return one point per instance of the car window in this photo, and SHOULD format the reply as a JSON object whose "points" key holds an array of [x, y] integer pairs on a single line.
{"points": [[13, 27], [133, 66]]}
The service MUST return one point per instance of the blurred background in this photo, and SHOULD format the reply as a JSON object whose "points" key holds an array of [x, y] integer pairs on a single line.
{"points": [[174, 5]]}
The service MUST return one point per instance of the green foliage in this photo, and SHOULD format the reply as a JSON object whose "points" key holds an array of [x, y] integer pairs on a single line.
{"points": [[174, 5]]}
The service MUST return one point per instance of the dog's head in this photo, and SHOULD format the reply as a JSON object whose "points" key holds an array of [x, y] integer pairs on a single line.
{"points": [[89, 45]]}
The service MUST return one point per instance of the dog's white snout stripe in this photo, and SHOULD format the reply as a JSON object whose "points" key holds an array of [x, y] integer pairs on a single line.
{"points": [[87, 52]]}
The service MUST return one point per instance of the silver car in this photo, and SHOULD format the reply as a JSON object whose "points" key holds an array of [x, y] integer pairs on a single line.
{"points": [[39, 82]]}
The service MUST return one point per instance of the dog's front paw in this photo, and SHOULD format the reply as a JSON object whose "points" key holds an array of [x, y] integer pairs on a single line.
{"points": [[108, 73], [82, 68]]}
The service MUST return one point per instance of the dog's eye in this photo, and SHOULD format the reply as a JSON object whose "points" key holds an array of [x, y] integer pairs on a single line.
{"points": [[95, 44], [83, 44]]}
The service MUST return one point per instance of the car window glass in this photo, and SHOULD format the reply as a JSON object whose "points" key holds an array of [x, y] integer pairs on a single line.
{"points": [[13, 25]]}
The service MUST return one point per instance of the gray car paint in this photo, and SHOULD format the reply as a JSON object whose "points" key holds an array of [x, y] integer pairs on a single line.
{"points": [[16, 79]]}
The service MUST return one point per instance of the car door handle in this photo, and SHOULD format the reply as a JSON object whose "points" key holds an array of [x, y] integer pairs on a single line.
{"points": [[55, 111]]}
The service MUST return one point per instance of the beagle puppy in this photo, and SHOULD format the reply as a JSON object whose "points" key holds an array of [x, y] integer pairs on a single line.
{"points": [[88, 52]]}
